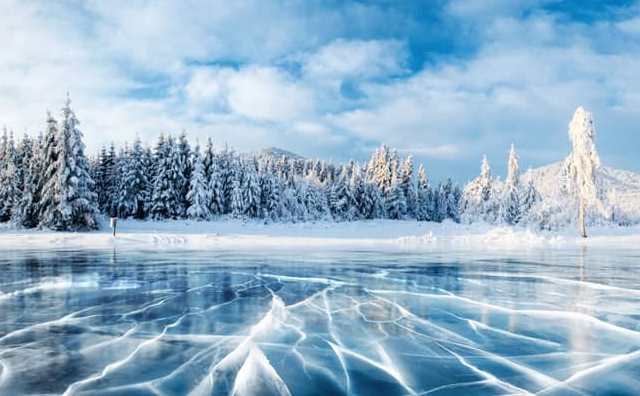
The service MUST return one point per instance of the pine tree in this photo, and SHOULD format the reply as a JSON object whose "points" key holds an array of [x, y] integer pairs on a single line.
{"points": [[396, 205], [137, 182], [183, 173], [216, 187], [251, 189], [339, 199], [237, 204], [198, 196], [122, 197], [528, 198], [424, 196], [479, 198], [357, 193], [9, 186], [165, 201], [408, 186], [510, 205], [74, 203]]}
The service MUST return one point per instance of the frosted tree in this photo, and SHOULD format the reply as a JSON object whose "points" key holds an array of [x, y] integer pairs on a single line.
{"points": [[444, 201], [216, 187], [357, 193], [583, 163], [165, 201], [25, 213], [24, 155], [382, 168], [395, 203], [423, 196], [122, 199], [183, 173], [528, 198], [198, 195], [408, 186], [9, 186], [251, 189], [107, 180], [339, 198], [510, 205], [236, 201], [133, 185], [208, 159], [74, 202], [137, 181], [478, 198]]}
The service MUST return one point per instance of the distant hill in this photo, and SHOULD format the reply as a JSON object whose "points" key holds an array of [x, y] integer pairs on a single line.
{"points": [[277, 152], [619, 189]]}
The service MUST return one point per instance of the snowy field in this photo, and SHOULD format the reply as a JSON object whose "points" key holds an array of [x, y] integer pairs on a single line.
{"points": [[375, 234]]}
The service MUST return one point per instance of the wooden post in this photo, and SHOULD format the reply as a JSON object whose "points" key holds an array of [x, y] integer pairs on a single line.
{"points": [[114, 224]]}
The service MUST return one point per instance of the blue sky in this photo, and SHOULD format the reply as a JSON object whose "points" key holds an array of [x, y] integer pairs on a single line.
{"points": [[445, 80]]}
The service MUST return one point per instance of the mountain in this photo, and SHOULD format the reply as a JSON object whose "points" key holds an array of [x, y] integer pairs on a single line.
{"points": [[276, 152], [618, 189]]}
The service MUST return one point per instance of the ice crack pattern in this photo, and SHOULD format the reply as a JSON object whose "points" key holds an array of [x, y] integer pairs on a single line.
{"points": [[348, 323]]}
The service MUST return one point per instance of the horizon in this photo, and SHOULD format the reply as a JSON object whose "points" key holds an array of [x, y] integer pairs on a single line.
{"points": [[446, 83]]}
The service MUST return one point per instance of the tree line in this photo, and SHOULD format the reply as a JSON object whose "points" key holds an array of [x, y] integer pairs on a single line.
{"points": [[50, 182]]}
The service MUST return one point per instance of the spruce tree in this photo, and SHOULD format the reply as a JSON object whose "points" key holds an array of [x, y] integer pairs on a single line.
{"points": [[510, 205], [198, 195], [73, 203], [424, 197], [396, 205], [408, 186], [9, 183]]}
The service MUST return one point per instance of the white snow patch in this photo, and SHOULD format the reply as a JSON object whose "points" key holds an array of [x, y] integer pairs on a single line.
{"points": [[367, 235]]}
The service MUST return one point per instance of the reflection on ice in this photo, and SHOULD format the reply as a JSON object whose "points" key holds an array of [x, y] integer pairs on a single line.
{"points": [[92, 323]]}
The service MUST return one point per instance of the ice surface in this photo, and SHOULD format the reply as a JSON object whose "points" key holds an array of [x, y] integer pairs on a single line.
{"points": [[443, 322]]}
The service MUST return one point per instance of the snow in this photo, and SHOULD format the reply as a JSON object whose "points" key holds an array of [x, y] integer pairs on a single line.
{"points": [[232, 234]]}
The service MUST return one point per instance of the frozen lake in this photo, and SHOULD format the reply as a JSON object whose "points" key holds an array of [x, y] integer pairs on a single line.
{"points": [[554, 322]]}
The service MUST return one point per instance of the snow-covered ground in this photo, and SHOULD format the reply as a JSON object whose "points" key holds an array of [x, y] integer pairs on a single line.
{"points": [[375, 234]]}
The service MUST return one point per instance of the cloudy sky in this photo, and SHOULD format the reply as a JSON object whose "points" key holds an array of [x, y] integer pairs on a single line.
{"points": [[444, 80]]}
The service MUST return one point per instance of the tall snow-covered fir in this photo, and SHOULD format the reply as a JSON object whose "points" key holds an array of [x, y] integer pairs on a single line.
{"points": [[583, 163]]}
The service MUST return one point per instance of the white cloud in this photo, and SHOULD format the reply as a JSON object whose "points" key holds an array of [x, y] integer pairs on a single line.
{"points": [[268, 94], [224, 69], [449, 151], [357, 59]]}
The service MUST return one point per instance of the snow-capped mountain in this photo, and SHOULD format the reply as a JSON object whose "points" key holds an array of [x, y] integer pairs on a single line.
{"points": [[619, 189], [277, 152]]}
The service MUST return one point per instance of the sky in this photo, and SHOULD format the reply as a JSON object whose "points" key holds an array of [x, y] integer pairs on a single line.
{"points": [[446, 81]]}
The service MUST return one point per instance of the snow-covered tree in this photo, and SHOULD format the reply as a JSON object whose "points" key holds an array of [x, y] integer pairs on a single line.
{"points": [[395, 203], [236, 201], [528, 199], [251, 189], [25, 212], [74, 202], [9, 181], [198, 196], [134, 185], [510, 205], [165, 201], [478, 201], [424, 197], [583, 163], [339, 196], [183, 173], [408, 186]]}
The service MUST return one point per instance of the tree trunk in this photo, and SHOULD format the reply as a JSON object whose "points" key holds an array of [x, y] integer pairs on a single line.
{"points": [[582, 220]]}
